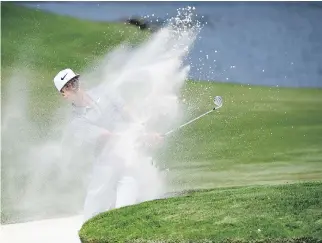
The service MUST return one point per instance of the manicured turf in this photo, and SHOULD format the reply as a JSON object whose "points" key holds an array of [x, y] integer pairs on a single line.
{"points": [[249, 214], [260, 135]]}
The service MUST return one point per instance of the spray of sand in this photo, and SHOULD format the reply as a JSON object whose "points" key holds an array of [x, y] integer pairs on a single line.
{"points": [[50, 178]]}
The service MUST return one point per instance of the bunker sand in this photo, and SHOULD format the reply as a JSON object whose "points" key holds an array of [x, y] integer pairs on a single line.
{"points": [[49, 231]]}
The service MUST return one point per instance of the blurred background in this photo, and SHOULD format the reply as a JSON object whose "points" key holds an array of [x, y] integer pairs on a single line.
{"points": [[264, 43]]}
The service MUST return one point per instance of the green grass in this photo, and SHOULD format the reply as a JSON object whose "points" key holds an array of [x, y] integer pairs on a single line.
{"points": [[249, 214], [51, 42], [39, 45], [260, 136]]}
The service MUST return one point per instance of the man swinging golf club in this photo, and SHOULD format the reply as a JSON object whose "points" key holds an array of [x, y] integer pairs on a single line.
{"points": [[89, 128]]}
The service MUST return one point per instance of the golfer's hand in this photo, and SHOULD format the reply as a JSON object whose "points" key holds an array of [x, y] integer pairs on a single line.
{"points": [[155, 139]]}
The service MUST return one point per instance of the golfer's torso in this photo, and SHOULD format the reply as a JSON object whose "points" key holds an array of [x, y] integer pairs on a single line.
{"points": [[90, 113], [103, 113]]}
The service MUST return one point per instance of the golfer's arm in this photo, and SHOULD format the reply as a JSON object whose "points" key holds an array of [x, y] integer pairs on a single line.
{"points": [[103, 139], [90, 133], [106, 134], [130, 116]]}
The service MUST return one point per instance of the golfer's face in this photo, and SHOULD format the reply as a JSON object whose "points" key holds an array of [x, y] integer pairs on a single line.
{"points": [[68, 92]]}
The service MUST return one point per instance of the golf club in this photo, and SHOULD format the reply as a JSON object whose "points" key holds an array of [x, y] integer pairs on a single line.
{"points": [[218, 102]]}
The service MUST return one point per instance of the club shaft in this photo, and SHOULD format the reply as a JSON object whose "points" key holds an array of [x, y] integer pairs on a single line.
{"points": [[189, 122]]}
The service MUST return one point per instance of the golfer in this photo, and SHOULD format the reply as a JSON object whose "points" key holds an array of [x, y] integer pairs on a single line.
{"points": [[92, 128]]}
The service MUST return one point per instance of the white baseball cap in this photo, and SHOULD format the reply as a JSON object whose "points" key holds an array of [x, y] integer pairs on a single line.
{"points": [[63, 77]]}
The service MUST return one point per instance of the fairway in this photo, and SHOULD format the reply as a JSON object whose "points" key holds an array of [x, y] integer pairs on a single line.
{"points": [[251, 170]]}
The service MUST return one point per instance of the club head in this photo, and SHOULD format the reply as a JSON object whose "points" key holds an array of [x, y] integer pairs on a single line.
{"points": [[218, 101]]}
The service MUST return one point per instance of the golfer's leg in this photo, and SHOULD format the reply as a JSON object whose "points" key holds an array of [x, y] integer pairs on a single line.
{"points": [[139, 183], [101, 193], [152, 185], [127, 191]]}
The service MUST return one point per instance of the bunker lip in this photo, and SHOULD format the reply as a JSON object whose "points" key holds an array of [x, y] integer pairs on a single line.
{"points": [[233, 214]]}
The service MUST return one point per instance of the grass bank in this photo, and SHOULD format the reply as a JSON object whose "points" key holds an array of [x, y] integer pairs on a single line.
{"points": [[284, 213]]}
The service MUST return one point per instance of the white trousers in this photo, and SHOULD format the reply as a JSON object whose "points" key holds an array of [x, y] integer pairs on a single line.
{"points": [[109, 188], [114, 185]]}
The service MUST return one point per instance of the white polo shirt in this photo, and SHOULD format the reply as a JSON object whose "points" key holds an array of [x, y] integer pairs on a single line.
{"points": [[89, 122]]}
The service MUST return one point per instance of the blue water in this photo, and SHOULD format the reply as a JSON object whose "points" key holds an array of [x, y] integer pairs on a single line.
{"points": [[262, 43]]}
